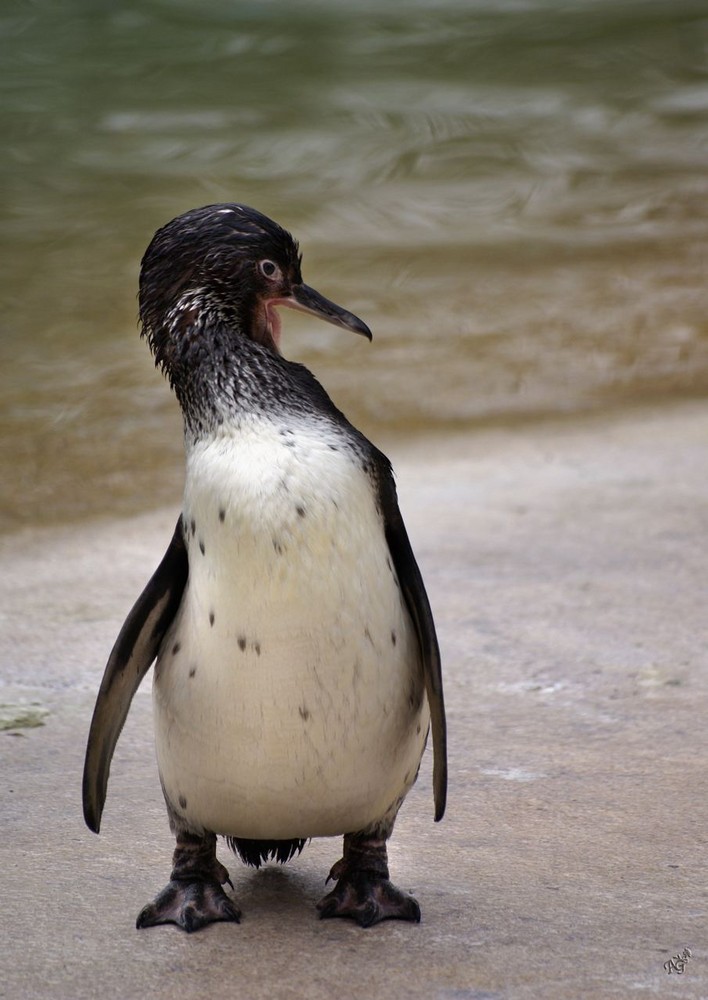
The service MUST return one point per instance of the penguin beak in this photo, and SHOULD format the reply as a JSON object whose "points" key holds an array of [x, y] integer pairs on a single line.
{"points": [[306, 299]]}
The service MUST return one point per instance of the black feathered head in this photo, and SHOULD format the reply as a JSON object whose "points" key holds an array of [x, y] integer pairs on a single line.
{"points": [[226, 268]]}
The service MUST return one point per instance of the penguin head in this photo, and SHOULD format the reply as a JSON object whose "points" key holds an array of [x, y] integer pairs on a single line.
{"points": [[220, 272]]}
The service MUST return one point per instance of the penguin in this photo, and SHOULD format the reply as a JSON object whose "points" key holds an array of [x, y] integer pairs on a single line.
{"points": [[297, 669]]}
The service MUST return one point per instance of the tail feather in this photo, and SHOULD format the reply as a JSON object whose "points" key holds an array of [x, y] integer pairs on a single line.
{"points": [[257, 852]]}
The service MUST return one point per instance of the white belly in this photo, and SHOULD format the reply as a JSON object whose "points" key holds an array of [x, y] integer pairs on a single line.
{"points": [[288, 694]]}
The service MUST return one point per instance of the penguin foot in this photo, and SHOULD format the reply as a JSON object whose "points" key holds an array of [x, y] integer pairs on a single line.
{"points": [[191, 904], [193, 897], [363, 891], [367, 898]]}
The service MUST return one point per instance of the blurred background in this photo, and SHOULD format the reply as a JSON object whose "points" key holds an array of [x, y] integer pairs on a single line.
{"points": [[512, 193]]}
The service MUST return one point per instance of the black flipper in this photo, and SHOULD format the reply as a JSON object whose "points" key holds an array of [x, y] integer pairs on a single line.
{"points": [[135, 649], [418, 606]]}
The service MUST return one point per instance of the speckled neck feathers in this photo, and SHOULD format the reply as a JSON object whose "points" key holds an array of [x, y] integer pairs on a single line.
{"points": [[238, 378]]}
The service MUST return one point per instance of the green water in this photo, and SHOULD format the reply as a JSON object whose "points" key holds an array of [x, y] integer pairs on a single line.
{"points": [[514, 196]]}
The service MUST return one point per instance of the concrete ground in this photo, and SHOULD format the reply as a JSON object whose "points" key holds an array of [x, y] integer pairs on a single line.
{"points": [[566, 565]]}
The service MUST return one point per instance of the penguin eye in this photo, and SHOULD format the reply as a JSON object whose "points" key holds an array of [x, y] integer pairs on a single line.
{"points": [[269, 269]]}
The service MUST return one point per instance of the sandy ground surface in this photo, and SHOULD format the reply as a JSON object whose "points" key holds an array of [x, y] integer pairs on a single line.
{"points": [[566, 565]]}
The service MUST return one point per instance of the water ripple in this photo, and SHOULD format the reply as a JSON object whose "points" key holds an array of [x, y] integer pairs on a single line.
{"points": [[513, 194]]}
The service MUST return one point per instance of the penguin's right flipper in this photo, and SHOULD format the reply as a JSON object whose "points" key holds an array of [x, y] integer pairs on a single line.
{"points": [[135, 649], [413, 590]]}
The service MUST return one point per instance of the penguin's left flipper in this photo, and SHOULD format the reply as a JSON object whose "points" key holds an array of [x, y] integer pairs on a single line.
{"points": [[135, 649], [418, 606]]}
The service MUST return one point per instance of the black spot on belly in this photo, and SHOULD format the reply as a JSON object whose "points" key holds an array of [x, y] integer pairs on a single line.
{"points": [[242, 642], [304, 712], [211, 617], [176, 648], [201, 546], [368, 636], [393, 638], [222, 514], [277, 546], [257, 647], [300, 511], [183, 801], [417, 728], [192, 671], [193, 526], [333, 447]]}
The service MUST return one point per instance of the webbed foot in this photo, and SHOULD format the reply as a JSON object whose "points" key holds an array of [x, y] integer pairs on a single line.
{"points": [[363, 891], [193, 897], [368, 899], [189, 904]]}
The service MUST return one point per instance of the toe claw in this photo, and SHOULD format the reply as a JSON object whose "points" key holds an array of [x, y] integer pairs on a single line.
{"points": [[336, 871]]}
